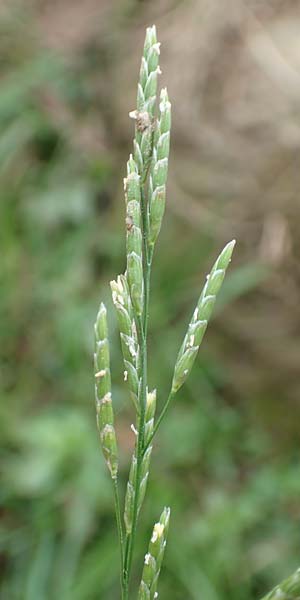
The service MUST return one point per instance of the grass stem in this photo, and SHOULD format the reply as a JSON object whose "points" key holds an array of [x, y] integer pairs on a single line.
{"points": [[120, 532]]}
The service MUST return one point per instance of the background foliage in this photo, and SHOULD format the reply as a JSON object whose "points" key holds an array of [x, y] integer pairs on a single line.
{"points": [[68, 74]]}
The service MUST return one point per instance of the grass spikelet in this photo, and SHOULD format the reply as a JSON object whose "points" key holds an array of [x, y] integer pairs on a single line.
{"points": [[129, 498], [104, 409], [154, 558], [128, 335], [159, 168]]}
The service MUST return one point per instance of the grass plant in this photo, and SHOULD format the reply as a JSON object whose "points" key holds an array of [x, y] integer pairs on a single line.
{"points": [[237, 446], [145, 196]]}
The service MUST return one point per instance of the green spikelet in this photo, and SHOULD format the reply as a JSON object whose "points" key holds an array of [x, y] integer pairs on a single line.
{"points": [[154, 558], [128, 335], [134, 236], [201, 316], [159, 168], [104, 409], [129, 498], [135, 281], [130, 491], [150, 414]]}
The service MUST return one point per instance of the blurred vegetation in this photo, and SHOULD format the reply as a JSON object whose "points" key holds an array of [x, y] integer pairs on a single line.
{"points": [[232, 475]]}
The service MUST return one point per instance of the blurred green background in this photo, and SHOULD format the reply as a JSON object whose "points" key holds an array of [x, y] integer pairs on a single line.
{"points": [[227, 457]]}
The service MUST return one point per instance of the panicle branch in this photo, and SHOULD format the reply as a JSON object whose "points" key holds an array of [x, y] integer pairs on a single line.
{"points": [[200, 318], [104, 409]]}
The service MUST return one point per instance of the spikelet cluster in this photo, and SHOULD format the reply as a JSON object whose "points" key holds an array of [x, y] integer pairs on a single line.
{"points": [[104, 409], [130, 490], [154, 557], [146, 100], [200, 318]]}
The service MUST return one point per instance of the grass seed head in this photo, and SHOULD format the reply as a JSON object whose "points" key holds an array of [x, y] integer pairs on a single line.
{"points": [[145, 198]]}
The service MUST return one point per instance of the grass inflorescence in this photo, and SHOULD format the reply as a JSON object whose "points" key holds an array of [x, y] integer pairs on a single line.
{"points": [[145, 197]]}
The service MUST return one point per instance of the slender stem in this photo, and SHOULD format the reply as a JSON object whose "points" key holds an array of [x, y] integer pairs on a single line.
{"points": [[159, 420], [120, 532]]}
